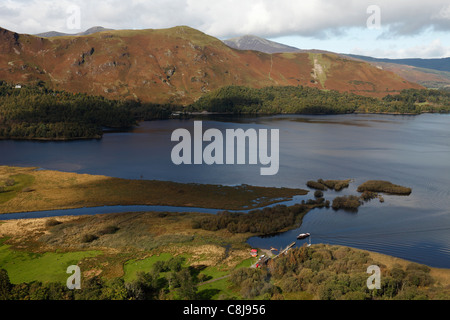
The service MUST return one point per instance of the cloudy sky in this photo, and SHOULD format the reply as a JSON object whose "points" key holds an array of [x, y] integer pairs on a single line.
{"points": [[380, 28]]}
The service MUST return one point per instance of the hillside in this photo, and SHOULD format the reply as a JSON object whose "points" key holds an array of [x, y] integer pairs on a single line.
{"points": [[428, 78], [176, 65], [430, 73]]}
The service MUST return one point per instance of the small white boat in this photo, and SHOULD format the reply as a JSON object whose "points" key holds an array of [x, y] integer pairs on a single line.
{"points": [[303, 236]]}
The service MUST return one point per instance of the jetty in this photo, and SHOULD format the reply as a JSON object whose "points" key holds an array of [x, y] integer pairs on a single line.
{"points": [[264, 259]]}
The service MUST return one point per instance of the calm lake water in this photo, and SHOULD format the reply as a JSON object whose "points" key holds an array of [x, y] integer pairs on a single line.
{"points": [[413, 151]]}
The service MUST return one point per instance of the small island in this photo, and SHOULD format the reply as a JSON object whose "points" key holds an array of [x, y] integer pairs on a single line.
{"points": [[385, 187], [336, 185], [369, 190]]}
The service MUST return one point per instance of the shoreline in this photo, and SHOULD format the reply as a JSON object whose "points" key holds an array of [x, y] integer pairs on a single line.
{"points": [[158, 233], [32, 227], [56, 190], [189, 115], [93, 181]]}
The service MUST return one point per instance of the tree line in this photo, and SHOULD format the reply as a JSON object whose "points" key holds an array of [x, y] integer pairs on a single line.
{"points": [[264, 221], [36, 112], [306, 100]]}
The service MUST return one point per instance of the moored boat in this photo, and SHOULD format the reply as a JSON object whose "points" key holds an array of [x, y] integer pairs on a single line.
{"points": [[303, 236]]}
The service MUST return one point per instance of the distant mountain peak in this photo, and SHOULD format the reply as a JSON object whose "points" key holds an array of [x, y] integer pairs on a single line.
{"points": [[89, 31], [95, 30], [255, 43]]}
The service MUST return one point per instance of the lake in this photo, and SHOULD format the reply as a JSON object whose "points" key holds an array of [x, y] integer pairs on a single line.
{"points": [[413, 151]]}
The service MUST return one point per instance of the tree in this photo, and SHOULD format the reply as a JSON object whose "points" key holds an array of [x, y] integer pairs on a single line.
{"points": [[146, 286], [318, 194], [187, 289], [115, 290], [5, 285], [175, 264]]}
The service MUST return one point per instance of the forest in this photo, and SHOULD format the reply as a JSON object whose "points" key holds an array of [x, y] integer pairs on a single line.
{"points": [[36, 112], [305, 100], [260, 221], [334, 273]]}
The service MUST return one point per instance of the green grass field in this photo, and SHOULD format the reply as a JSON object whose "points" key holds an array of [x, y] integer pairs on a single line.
{"points": [[213, 290], [214, 273], [246, 263], [221, 288], [21, 181], [217, 290], [132, 267], [48, 267]]}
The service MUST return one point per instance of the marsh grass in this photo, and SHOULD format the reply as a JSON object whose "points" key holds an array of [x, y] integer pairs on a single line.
{"points": [[60, 190], [336, 185], [13, 185], [139, 232], [136, 237], [52, 222], [323, 185], [349, 203], [316, 185], [384, 186]]}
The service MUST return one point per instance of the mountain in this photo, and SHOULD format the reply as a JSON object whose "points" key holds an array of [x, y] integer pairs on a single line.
{"points": [[92, 30], [429, 78], [176, 65], [440, 64], [255, 43], [430, 73]]}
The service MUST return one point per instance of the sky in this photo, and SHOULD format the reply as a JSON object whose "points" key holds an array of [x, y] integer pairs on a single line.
{"points": [[378, 28]]}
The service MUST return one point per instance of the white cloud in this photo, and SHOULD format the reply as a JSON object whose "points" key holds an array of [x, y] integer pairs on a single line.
{"points": [[223, 18], [318, 19]]}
